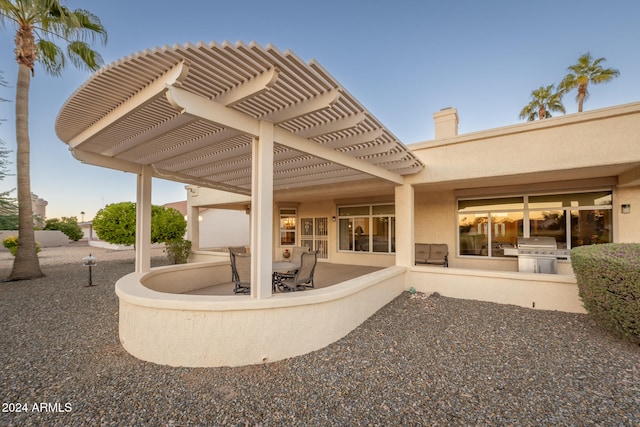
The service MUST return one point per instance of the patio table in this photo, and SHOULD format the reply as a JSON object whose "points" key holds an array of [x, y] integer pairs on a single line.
{"points": [[282, 267]]}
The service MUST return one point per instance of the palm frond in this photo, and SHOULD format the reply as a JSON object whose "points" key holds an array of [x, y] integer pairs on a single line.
{"points": [[50, 56], [90, 26], [83, 57], [58, 32]]}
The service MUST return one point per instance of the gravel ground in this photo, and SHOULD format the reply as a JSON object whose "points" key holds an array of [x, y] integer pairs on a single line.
{"points": [[418, 361]]}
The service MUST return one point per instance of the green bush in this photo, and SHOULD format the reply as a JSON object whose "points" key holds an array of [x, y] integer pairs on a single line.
{"points": [[167, 224], [11, 243], [116, 223], [608, 278], [67, 225], [178, 251]]}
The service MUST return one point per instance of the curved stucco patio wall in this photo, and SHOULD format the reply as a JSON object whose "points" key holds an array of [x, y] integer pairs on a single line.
{"points": [[212, 331]]}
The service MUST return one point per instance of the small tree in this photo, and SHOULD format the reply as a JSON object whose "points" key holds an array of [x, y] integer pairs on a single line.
{"points": [[116, 223], [8, 212], [167, 224], [68, 225]]}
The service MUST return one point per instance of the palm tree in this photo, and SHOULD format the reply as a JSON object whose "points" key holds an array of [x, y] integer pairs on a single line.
{"points": [[585, 71], [544, 100], [39, 25]]}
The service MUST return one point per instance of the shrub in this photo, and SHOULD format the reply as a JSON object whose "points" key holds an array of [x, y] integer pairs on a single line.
{"points": [[116, 223], [178, 251], [11, 243], [608, 278], [167, 224], [67, 225]]}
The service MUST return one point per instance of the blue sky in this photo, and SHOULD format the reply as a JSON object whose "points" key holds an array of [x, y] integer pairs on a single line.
{"points": [[403, 60]]}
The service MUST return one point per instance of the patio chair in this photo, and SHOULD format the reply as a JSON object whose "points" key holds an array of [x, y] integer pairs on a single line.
{"points": [[241, 272], [296, 255], [235, 250], [303, 278], [238, 249]]}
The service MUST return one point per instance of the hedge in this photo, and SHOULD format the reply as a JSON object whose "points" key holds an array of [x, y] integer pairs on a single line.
{"points": [[608, 277]]}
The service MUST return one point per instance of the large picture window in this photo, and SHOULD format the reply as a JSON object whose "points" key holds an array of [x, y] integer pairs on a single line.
{"points": [[488, 226], [369, 228]]}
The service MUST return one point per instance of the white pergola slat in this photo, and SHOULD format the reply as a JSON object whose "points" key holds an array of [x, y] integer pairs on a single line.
{"points": [[185, 110]]}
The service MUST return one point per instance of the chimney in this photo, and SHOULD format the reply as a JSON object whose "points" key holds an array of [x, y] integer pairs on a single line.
{"points": [[446, 123]]}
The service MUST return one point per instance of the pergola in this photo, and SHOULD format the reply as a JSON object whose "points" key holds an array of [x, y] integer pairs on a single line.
{"points": [[235, 117]]}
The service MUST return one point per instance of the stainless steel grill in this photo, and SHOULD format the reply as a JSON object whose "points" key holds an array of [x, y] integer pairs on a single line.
{"points": [[539, 255]]}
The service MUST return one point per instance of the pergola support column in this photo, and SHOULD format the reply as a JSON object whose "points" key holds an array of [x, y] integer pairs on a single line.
{"points": [[262, 211], [405, 225], [193, 226], [143, 220]]}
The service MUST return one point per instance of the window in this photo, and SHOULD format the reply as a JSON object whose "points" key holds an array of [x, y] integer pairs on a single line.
{"points": [[369, 228], [288, 226], [488, 226]]}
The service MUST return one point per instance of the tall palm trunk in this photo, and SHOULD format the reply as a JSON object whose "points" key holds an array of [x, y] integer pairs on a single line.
{"points": [[582, 94], [26, 264], [542, 112]]}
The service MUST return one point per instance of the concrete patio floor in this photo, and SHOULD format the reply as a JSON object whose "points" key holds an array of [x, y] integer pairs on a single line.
{"points": [[326, 274]]}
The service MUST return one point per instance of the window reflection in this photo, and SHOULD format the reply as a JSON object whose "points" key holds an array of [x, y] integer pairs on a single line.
{"points": [[473, 234], [506, 227], [590, 227], [488, 226], [549, 224]]}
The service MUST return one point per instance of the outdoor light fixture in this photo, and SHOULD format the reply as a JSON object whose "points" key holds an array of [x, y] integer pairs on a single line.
{"points": [[89, 261], [626, 208]]}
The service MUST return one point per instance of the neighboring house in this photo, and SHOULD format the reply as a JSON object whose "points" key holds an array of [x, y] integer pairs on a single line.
{"points": [[39, 207], [261, 131], [218, 228], [88, 233], [39, 211]]}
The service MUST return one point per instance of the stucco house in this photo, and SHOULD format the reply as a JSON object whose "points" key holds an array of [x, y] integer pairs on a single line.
{"points": [[220, 227], [261, 131]]}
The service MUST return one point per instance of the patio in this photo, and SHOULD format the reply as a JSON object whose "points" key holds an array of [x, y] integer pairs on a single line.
{"points": [[326, 274], [249, 120]]}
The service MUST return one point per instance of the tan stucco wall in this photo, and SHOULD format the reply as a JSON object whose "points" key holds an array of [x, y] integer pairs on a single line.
{"points": [[627, 226], [45, 238], [568, 143], [535, 291], [213, 331], [435, 217]]}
